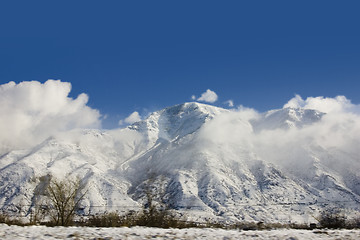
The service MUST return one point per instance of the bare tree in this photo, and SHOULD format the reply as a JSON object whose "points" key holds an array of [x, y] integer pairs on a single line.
{"points": [[64, 196]]}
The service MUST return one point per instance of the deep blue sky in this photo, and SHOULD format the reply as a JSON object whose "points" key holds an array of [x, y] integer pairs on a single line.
{"points": [[145, 55]]}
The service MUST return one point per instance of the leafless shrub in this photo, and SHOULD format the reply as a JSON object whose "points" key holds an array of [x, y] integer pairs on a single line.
{"points": [[332, 218], [4, 218]]}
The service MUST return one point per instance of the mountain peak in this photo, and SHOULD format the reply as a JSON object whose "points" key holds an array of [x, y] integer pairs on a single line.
{"points": [[176, 121], [189, 107]]}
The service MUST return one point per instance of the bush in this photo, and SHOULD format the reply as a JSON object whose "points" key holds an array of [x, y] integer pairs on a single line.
{"points": [[112, 219], [155, 218], [354, 223], [4, 218], [332, 218]]}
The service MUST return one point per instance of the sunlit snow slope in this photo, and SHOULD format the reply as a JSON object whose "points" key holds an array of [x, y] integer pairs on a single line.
{"points": [[199, 159]]}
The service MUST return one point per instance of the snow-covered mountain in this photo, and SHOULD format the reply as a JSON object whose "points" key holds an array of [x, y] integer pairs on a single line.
{"points": [[204, 160]]}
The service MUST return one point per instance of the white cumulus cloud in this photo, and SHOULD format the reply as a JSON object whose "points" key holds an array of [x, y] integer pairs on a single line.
{"points": [[133, 117], [208, 96], [32, 111], [323, 104]]}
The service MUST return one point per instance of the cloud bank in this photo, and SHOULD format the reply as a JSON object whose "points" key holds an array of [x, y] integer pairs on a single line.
{"points": [[32, 111], [335, 136], [323, 104]]}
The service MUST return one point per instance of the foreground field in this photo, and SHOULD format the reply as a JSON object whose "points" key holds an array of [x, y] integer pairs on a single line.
{"points": [[42, 232]]}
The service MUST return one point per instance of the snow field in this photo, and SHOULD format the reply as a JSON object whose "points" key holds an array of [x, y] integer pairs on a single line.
{"points": [[48, 233]]}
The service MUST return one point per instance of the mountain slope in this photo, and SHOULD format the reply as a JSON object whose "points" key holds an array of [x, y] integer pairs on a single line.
{"points": [[195, 157]]}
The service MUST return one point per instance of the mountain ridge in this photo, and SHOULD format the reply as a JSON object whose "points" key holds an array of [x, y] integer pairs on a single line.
{"points": [[201, 159]]}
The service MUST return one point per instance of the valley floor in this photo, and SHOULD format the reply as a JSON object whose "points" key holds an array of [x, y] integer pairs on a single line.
{"points": [[42, 232]]}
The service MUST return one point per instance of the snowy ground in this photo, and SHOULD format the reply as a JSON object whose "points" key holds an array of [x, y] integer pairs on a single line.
{"points": [[42, 232]]}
